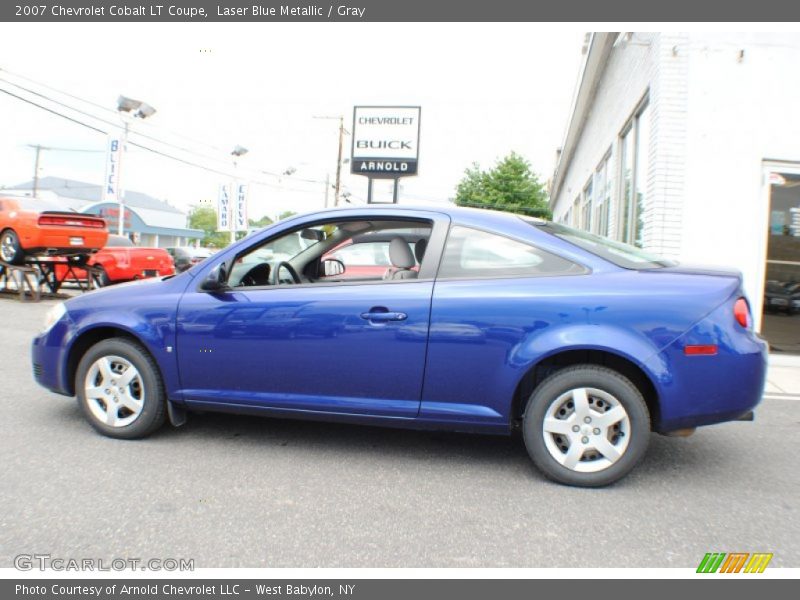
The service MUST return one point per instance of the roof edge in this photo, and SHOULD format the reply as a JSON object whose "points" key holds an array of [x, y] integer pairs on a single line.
{"points": [[592, 69]]}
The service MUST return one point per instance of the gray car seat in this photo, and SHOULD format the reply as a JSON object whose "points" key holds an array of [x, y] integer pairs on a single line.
{"points": [[402, 260]]}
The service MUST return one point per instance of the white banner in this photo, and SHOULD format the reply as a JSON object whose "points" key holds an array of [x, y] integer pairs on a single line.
{"points": [[111, 190], [224, 208], [240, 208]]}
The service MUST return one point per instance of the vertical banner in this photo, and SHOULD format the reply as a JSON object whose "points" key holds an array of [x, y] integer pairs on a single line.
{"points": [[240, 208], [224, 208], [111, 192]]}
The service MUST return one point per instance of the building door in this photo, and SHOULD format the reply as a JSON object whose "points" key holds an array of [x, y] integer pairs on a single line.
{"points": [[780, 320]]}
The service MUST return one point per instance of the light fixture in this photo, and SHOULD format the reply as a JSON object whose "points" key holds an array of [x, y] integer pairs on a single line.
{"points": [[136, 108]]}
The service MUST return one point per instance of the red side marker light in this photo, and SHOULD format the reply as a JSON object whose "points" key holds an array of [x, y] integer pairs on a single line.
{"points": [[697, 350]]}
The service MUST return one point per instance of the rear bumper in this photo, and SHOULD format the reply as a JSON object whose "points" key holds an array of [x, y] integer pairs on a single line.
{"points": [[703, 390], [42, 240]]}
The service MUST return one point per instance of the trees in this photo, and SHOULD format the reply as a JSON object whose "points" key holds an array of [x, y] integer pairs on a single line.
{"points": [[262, 222], [510, 186], [205, 218]]}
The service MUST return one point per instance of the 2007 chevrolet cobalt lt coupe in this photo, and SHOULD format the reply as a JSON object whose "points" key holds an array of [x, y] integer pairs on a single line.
{"points": [[446, 318]]}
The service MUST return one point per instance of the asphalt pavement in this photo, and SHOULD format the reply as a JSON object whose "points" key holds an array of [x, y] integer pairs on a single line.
{"points": [[232, 491]]}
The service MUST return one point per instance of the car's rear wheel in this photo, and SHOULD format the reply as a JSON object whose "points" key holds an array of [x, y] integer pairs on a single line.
{"points": [[586, 426], [10, 248], [101, 278], [119, 389]]}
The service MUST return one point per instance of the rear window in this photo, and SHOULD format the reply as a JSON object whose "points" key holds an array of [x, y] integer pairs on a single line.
{"points": [[471, 253], [622, 255]]}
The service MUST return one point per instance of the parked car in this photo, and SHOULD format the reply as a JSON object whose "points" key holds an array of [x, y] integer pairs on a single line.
{"points": [[782, 296], [120, 260], [186, 257], [582, 344], [34, 227]]}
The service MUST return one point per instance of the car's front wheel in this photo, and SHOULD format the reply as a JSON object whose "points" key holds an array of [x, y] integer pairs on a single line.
{"points": [[119, 389], [586, 426]]}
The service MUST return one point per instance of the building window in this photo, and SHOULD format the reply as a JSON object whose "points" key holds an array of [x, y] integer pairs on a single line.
{"points": [[602, 196], [634, 161], [586, 208], [576, 213]]}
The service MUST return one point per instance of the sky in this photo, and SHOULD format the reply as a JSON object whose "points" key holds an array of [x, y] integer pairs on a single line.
{"points": [[484, 89]]}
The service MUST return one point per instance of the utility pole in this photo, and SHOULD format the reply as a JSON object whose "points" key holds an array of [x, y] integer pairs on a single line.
{"points": [[38, 149], [123, 151], [327, 187], [338, 184], [339, 163]]}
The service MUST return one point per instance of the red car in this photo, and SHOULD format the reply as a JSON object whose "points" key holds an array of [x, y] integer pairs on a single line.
{"points": [[31, 227], [121, 261]]}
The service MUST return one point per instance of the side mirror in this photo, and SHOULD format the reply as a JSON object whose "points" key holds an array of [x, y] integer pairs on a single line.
{"points": [[216, 280], [330, 267]]}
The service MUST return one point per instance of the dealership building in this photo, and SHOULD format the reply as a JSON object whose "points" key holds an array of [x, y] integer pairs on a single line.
{"points": [[152, 222], [688, 145]]}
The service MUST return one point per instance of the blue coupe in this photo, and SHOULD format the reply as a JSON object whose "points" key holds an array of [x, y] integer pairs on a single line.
{"points": [[439, 318]]}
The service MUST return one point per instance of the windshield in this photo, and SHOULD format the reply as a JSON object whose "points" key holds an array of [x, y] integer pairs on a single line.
{"points": [[622, 255]]}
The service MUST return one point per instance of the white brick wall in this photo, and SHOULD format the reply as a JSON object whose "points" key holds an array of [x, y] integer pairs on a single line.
{"points": [[721, 105]]}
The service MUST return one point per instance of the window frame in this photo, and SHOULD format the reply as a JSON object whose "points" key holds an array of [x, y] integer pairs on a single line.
{"points": [[626, 231], [438, 222]]}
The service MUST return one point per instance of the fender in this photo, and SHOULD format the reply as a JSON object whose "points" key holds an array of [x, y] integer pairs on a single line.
{"points": [[540, 345], [158, 338]]}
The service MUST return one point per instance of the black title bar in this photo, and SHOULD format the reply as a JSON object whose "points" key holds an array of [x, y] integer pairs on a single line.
{"points": [[399, 10]]}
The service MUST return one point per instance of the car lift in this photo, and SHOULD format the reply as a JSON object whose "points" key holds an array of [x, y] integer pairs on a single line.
{"points": [[39, 278]]}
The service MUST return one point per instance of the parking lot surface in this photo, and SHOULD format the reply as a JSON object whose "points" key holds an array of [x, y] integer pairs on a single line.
{"points": [[247, 492]]}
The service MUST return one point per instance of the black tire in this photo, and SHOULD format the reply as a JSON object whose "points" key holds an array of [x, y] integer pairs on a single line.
{"points": [[101, 277], [10, 249], [153, 410], [555, 389]]}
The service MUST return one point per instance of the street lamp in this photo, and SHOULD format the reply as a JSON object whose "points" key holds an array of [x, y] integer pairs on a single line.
{"points": [[128, 108], [236, 153]]}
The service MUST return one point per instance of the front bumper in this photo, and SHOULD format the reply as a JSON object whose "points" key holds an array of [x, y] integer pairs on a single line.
{"points": [[49, 360]]}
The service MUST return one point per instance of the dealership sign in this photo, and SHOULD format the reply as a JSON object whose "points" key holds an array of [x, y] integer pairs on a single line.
{"points": [[240, 207], [232, 207], [224, 208], [385, 141], [111, 192]]}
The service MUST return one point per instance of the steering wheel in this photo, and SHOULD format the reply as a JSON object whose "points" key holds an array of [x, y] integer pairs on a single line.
{"points": [[258, 275], [276, 273]]}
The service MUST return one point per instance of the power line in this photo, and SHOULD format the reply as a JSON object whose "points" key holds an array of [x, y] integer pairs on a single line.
{"points": [[135, 132], [136, 144]]}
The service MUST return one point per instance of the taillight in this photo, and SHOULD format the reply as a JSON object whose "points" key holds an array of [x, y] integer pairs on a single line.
{"points": [[741, 312], [68, 221]]}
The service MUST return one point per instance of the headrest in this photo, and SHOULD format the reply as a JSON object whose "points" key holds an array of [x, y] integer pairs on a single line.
{"points": [[400, 254]]}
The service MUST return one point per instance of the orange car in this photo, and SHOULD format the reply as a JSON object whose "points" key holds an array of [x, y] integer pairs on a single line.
{"points": [[32, 226]]}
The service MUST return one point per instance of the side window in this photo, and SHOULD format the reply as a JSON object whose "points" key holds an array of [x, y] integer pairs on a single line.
{"points": [[471, 253], [364, 255]]}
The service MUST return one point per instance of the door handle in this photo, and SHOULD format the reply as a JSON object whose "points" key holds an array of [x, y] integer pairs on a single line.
{"points": [[383, 316]]}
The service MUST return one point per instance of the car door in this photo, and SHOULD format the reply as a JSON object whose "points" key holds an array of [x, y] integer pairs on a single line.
{"points": [[347, 347]]}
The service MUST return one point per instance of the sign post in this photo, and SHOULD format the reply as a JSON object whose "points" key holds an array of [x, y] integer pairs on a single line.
{"points": [[385, 144]]}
